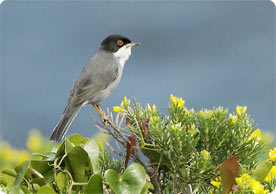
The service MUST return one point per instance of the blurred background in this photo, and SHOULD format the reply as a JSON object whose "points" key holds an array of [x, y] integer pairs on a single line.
{"points": [[210, 53]]}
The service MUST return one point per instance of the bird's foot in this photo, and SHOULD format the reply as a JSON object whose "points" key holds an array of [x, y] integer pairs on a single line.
{"points": [[105, 119], [101, 113]]}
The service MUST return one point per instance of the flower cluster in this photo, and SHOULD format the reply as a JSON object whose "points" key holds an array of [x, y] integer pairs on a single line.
{"points": [[240, 110], [216, 182], [272, 155], [34, 142], [10, 156], [121, 109], [177, 102], [256, 134], [246, 183]]}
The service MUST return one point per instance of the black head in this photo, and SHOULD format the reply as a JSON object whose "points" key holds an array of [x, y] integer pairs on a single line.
{"points": [[114, 42]]}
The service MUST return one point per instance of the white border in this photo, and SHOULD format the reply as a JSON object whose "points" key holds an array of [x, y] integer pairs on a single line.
{"points": [[273, 192]]}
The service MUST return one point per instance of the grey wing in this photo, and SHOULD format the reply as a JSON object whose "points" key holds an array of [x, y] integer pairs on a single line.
{"points": [[98, 74]]}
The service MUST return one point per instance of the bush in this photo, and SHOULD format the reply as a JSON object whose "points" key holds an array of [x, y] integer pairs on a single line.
{"points": [[209, 151]]}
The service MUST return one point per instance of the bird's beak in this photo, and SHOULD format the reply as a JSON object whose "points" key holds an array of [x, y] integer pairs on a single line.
{"points": [[131, 44]]}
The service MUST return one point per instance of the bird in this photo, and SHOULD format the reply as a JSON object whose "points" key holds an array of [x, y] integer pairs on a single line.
{"points": [[99, 77]]}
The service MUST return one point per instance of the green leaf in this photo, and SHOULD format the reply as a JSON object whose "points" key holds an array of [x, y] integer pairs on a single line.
{"points": [[3, 181], [78, 158], [68, 146], [48, 155], [45, 190], [60, 150], [40, 181], [49, 176], [64, 148], [145, 188], [62, 180], [14, 190], [85, 140], [9, 172], [76, 139], [41, 166], [131, 182], [95, 185], [93, 152], [229, 171], [262, 170], [113, 178], [25, 190], [21, 171]]}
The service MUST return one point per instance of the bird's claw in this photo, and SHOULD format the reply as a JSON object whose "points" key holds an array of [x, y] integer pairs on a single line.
{"points": [[105, 119]]}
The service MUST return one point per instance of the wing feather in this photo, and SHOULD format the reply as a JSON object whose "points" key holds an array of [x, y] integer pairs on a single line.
{"points": [[97, 74]]}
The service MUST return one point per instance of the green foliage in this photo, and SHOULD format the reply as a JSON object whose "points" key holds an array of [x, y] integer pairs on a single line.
{"points": [[132, 180], [94, 185], [72, 167], [186, 146], [46, 190], [210, 151], [262, 170], [21, 171]]}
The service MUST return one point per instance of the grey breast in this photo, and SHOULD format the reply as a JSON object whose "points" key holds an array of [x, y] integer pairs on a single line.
{"points": [[96, 77]]}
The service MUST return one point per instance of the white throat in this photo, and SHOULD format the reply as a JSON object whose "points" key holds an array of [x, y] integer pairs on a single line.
{"points": [[123, 54]]}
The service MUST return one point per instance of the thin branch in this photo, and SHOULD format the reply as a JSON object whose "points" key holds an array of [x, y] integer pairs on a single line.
{"points": [[113, 150]]}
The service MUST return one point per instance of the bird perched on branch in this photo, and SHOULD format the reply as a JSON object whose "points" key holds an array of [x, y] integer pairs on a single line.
{"points": [[98, 79]]}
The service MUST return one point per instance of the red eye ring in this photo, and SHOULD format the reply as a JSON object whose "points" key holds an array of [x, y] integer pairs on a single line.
{"points": [[120, 42]]}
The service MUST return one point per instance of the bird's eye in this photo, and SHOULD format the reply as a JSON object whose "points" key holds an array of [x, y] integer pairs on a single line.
{"points": [[120, 43]]}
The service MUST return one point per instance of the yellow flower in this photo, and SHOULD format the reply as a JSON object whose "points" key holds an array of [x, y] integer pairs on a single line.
{"points": [[273, 171], [23, 156], [241, 110], [254, 184], [215, 183], [34, 141], [232, 118], [257, 188], [120, 110], [272, 155], [116, 108], [153, 108], [205, 154], [126, 102], [260, 190], [244, 180], [6, 152], [268, 177], [173, 100], [177, 102], [180, 102], [256, 134]]}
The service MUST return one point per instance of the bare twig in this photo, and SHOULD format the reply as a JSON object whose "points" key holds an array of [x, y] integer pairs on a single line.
{"points": [[113, 150], [114, 129]]}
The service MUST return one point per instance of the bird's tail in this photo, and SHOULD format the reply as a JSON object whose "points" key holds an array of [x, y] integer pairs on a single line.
{"points": [[66, 120]]}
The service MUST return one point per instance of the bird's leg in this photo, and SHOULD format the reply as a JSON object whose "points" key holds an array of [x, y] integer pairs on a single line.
{"points": [[98, 108]]}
